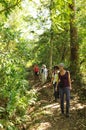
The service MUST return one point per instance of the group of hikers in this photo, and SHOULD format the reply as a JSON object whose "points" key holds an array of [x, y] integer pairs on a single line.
{"points": [[61, 82], [41, 74]]}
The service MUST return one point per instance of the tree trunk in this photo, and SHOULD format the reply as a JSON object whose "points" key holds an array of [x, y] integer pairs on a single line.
{"points": [[74, 46], [51, 52], [51, 40]]}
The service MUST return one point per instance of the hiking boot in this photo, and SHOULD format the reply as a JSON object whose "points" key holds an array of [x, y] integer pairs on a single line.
{"points": [[67, 112], [55, 100], [67, 115], [62, 112]]}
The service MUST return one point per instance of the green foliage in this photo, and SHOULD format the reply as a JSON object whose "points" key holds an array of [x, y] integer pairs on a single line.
{"points": [[8, 5], [14, 95]]}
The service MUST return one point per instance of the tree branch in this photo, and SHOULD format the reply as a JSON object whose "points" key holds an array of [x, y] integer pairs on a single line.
{"points": [[12, 6]]}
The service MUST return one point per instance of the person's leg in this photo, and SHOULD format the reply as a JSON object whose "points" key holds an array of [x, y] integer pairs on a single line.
{"points": [[61, 90], [38, 77], [42, 78], [34, 75], [67, 101], [45, 77], [57, 91], [55, 96], [54, 87]]}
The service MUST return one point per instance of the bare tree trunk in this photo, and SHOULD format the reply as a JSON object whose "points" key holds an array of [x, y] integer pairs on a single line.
{"points": [[74, 46], [51, 40], [51, 51]]}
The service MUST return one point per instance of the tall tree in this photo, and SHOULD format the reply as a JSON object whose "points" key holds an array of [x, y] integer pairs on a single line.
{"points": [[74, 46], [51, 37]]}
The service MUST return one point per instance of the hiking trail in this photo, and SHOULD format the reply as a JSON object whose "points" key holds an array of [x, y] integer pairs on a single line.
{"points": [[46, 115]]}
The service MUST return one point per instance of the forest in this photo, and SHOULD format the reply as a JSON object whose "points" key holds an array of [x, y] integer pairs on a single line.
{"points": [[41, 32]]}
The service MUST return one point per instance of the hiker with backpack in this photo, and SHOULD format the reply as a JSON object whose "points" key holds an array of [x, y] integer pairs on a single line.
{"points": [[54, 81], [44, 74], [64, 88]]}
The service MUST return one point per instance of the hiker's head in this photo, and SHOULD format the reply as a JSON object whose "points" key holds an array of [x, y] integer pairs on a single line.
{"points": [[35, 65], [56, 68], [44, 66], [61, 66]]}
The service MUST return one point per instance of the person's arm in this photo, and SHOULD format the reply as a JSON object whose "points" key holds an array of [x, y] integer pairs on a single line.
{"points": [[69, 80]]}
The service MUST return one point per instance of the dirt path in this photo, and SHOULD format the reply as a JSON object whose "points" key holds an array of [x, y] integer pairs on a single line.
{"points": [[45, 114]]}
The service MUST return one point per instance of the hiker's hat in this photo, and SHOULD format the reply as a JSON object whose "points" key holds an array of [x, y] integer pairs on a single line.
{"points": [[44, 66], [61, 65]]}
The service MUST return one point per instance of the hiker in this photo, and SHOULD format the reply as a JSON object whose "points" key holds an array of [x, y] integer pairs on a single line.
{"points": [[64, 88], [54, 81], [36, 72], [44, 74]]}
